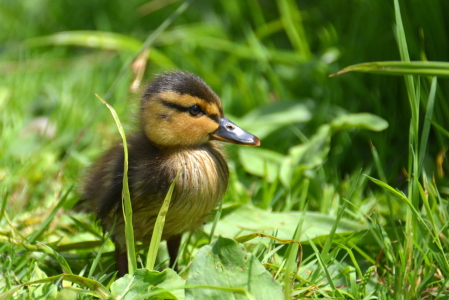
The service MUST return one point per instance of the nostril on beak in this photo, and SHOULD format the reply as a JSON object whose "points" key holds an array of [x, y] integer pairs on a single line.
{"points": [[230, 127]]}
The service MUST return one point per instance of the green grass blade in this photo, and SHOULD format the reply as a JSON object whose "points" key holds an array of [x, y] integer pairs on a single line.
{"points": [[383, 177], [292, 21], [126, 199], [159, 226], [87, 227], [388, 187], [3, 204], [292, 254], [323, 266], [152, 37], [423, 68], [98, 290], [440, 128], [329, 240], [402, 43], [78, 246], [414, 105], [58, 257], [426, 126], [87, 38], [100, 252], [214, 224], [420, 222]]}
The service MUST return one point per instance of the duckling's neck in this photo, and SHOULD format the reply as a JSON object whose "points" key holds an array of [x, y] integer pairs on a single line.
{"points": [[174, 149], [204, 175]]}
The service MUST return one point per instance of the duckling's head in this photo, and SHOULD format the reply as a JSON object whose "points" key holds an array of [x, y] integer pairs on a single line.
{"points": [[179, 109]]}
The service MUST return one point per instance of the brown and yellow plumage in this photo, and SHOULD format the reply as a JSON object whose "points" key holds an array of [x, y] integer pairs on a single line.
{"points": [[180, 117]]}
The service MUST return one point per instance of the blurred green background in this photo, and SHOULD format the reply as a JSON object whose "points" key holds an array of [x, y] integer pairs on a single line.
{"points": [[253, 54], [269, 61]]}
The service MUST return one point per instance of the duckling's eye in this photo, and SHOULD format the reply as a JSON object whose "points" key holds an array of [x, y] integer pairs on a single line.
{"points": [[195, 110]]}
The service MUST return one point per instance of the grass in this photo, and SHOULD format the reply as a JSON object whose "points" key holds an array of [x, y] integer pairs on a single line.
{"points": [[346, 198]]}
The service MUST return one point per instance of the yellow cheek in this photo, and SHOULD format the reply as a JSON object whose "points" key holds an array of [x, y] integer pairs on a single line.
{"points": [[179, 129], [188, 130]]}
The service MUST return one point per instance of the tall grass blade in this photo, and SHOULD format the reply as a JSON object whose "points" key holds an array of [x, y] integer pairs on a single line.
{"points": [[423, 68], [214, 224], [126, 199], [292, 254], [3, 204], [62, 261], [292, 21], [414, 105], [329, 240], [383, 177], [87, 38], [159, 225], [322, 262], [100, 252], [426, 126], [440, 128]]}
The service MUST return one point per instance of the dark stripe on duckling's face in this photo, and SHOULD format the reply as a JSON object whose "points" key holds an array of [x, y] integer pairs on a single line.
{"points": [[194, 110], [186, 103]]}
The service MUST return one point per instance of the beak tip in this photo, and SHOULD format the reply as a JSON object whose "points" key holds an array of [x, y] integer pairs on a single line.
{"points": [[256, 142]]}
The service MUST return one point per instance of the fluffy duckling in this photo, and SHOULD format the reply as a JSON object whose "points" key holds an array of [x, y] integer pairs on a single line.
{"points": [[181, 119]]}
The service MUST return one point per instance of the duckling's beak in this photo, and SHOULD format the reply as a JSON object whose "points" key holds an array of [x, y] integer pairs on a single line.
{"points": [[231, 133]]}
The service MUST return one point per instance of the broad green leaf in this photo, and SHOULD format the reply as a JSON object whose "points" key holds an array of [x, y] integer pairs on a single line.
{"points": [[306, 156], [41, 291], [70, 293], [231, 273], [247, 220], [313, 153], [425, 68], [37, 273], [360, 120], [145, 281], [263, 121], [261, 162]]}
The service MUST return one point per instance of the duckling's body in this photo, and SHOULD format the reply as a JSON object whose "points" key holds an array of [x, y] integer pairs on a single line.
{"points": [[197, 191], [180, 115]]}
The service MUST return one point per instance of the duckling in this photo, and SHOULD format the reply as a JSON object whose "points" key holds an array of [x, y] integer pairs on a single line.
{"points": [[181, 120]]}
